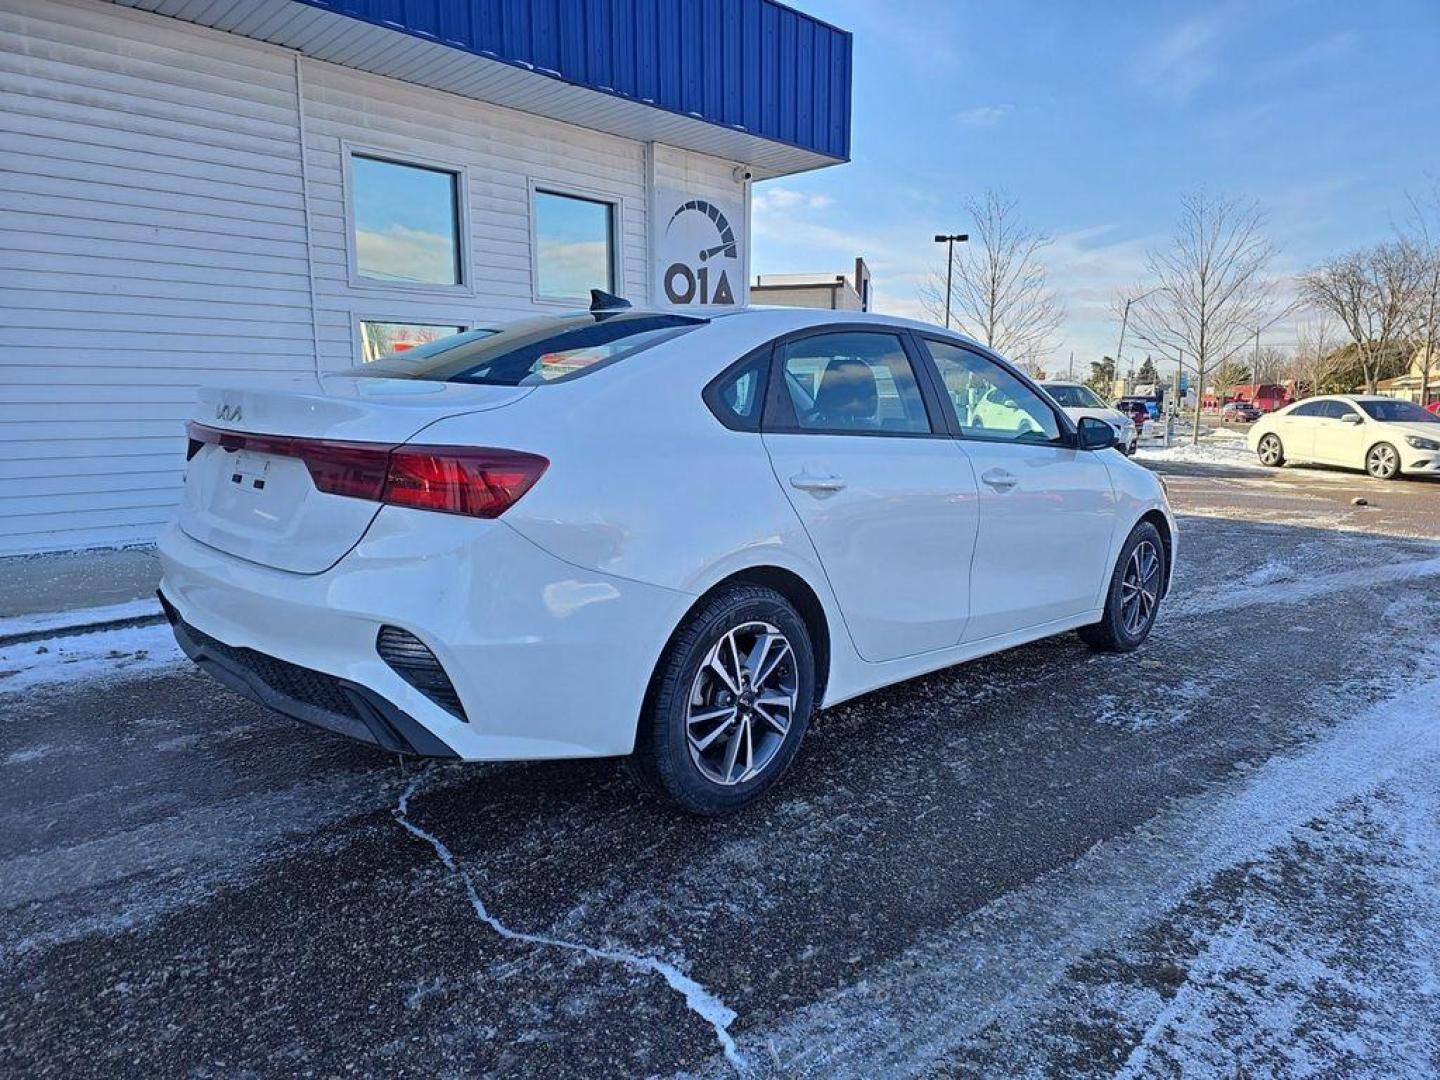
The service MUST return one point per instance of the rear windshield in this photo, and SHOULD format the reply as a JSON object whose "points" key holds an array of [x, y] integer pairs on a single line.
{"points": [[1075, 397], [533, 352]]}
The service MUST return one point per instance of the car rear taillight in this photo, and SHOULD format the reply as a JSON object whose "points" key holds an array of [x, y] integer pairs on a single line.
{"points": [[479, 482], [475, 481]]}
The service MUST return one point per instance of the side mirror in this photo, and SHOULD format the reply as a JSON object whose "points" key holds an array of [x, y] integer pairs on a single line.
{"points": [[1095, 434], [1351, 418]]}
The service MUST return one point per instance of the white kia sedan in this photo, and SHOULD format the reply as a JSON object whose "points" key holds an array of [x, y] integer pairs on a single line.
{"points": [[1078, 401], [667, 536], [1382, 435]]}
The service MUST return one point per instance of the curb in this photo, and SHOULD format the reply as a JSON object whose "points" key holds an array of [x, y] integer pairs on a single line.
{"points": [[63, 630]]}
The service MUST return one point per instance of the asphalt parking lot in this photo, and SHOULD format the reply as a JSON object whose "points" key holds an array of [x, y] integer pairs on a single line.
{"points": [[1217, 856]]}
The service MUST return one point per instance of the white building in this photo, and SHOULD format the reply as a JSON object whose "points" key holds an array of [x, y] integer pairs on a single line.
{"points": [[837, 292], [195, 193]]}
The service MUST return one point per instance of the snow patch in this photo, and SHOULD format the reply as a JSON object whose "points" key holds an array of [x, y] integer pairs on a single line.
{"points": [[700, 1000], [43, 621], [1272, 572], [1230, 452], [126, 652], [1001, 964], [29, 754]]}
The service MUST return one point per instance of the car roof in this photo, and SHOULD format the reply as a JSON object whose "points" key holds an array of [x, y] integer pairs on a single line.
{"points": [[783, 320]]}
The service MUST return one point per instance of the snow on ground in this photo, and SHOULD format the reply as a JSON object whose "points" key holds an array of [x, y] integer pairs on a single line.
{"points": [[102, 654], [1184, 948], [41, 622], [1227, 449]]}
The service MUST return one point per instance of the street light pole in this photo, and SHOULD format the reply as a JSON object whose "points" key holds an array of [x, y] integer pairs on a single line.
{"points": [[950, 239], [1125, 321]]}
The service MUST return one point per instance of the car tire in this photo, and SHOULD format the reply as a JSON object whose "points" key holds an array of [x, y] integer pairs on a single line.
{"points": [[694, 711], [1271, 451], [1142, 559], [1382, 461]]}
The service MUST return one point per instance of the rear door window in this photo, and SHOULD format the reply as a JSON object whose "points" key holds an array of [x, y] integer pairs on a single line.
{"points": [[533, 352], [853, 382]]}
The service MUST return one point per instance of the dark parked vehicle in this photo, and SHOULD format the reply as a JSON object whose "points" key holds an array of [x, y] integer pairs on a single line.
{"points": [[1136, 408], [1241, 412]]}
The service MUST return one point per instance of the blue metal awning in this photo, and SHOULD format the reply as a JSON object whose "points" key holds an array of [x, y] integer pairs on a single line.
{"points": [[749, 80]]}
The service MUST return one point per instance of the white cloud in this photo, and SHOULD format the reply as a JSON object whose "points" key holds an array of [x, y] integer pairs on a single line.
{"points": [[1184, 59], [403, 254], [769, 199], [984, 115]]}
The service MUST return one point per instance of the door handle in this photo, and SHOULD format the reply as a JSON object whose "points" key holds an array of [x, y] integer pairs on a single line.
{"points": [[999, 479], [817, 484]]}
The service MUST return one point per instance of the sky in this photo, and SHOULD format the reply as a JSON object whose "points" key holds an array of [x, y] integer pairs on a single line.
{"points": [[1097, 118]]}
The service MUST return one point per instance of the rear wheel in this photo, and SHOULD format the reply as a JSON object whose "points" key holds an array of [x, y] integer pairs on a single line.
{"points": [[1133, 599], [1272, 453], [729, 704], [1383, 461]]}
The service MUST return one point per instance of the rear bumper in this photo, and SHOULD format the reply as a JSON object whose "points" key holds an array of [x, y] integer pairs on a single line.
{"points": [[312, 697], [548, 660]]}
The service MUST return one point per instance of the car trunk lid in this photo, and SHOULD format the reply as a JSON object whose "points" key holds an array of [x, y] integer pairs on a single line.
{"points": [[251, 494]]}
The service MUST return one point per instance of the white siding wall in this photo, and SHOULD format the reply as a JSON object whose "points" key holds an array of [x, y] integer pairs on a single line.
{"points": [[499, 150], [153, 236], [153, 213]]}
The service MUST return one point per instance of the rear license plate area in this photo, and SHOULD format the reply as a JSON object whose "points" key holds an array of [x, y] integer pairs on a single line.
{"points": [[248, 472]]}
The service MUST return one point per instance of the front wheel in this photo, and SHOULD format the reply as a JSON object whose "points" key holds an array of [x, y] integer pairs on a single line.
{"points": [[729, 703], [1383, 462], [1272, 453], [1133, 599]]}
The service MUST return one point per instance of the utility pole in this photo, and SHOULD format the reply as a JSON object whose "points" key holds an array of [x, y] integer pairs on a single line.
{"points": [[1072, 363], [1255, 360], [950, 239]]}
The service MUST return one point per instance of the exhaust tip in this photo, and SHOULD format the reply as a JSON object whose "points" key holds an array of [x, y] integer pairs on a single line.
{"points": [[412, 660]]}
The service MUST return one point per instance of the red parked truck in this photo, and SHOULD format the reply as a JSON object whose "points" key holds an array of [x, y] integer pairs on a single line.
{"points": [[1267, 397]]}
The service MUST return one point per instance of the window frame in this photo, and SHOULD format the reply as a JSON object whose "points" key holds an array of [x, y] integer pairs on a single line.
{"points": [[356, 279], [358, 333], [779, 413], [1069, 436], [536, 186], [1297, 414]]}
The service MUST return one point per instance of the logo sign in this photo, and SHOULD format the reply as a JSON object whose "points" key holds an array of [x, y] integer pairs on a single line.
{"points": [[230, 414], [698, 252]]}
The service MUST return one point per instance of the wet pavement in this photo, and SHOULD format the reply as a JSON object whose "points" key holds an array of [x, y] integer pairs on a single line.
{"points": [[1216, 856]]}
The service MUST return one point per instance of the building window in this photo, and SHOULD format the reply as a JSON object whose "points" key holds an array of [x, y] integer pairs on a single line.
{"points": [[379, 339], [574, 245], [406, 221]]}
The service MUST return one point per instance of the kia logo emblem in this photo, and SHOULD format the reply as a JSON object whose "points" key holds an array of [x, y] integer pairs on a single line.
{"points": [[229, 413]]}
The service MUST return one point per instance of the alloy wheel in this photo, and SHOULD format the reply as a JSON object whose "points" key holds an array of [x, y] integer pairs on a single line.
{"points": [[1140, 588], [1270, 450], [741, 704], [1383, 461]]}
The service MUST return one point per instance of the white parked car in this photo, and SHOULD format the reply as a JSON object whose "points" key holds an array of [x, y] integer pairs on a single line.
{"points": [[1079, 400], [1384, 436], [625, 532]]}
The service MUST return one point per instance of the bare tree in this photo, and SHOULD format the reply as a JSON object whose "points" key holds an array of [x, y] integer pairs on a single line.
{"points": [[1424, 235], [1001, 297], [1210, 290], [1270, 364], [1373, 294], [1318, 358]]}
